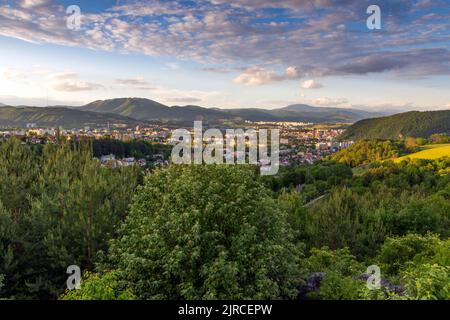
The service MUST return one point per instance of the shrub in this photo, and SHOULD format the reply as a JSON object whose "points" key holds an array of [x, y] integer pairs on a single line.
{"points": [[206, 232], [96, 287]]}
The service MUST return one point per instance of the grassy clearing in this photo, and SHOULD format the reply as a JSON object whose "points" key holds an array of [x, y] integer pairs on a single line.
{"points": [[430, 152]]}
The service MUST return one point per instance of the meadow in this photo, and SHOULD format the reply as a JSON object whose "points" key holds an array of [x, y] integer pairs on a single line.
{"points": [[429, 152]]}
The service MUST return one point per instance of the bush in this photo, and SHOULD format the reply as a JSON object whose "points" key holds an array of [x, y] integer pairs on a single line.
{"points": [[206, 232], [397, 252], [427, 282], [341, 271], [96, 287]]}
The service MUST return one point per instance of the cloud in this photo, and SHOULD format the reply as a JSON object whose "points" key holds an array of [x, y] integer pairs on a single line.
{"points": [[257, 77], [33, 3], [76, 86], [37, 101], [311, 84], [293, 72], [244, 32], [70, 82], [61, 76], [184, 100], [222, 70], [325, 101], [135, 83], [11, 73]]}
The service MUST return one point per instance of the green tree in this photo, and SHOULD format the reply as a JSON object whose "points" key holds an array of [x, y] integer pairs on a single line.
{"points": [[99, 287], [61, 214], [206, 232]]}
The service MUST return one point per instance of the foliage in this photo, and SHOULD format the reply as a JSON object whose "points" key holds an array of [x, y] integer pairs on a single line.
{"points": [[366, 151], [56, 210], [313, 180], [2, 279], [396, 252], [99, 287], [340, 269], [135, 148], [206, 232], [427, 282], [410, 124], [221, 232]]}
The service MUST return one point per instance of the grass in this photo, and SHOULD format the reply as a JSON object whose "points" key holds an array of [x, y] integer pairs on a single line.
{"points": [[429, 152]]}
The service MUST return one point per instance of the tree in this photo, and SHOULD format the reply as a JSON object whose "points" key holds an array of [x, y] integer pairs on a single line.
{"points": [[99, 287], [206, 232], [411, 144], [59, 215]]}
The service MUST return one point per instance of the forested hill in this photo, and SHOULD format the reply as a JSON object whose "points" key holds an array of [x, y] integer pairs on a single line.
{"points": [[59, 116], [410, 124]]}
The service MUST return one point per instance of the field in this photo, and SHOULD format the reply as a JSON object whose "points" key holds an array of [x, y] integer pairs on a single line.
{"points": [[429, 152]]}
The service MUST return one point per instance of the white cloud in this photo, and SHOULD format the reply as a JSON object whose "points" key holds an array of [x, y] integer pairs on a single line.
{"points": [[60, 76], [70, 82], [184, 100], [34, 3], [76, 86], [325, 101], [311, 84], [221, 32], [257, 77], [138, 83], [293, 72]]}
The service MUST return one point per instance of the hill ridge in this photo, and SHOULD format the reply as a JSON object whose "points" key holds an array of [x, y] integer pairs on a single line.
{"points": [[409, 124]]}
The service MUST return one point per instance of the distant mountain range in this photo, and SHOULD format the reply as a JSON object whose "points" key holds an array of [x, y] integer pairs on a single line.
{"points": [[305, 113], [132, 111], [149, 110], [58, 116], [409, 124]]}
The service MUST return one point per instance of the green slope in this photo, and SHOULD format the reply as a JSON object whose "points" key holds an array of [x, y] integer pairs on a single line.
{"points": [[58, 116], [145, 109], [410, 124]]}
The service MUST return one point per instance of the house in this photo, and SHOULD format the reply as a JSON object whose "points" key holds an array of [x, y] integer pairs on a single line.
{"points": [[105, 159]]}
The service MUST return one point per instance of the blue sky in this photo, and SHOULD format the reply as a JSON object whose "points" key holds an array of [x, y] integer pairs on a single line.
{"points": [[218, 53]]}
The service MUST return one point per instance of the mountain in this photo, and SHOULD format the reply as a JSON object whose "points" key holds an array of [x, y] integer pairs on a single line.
{"points": [[132, 111], [2, 105], [59, 116], [149, 110], [144, 109], [409, 124]]}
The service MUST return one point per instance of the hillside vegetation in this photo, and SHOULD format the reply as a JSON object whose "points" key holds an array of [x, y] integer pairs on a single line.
{"points": [[220, 232], [145, 109], [367, 151], [58, 116], [410, 124]]}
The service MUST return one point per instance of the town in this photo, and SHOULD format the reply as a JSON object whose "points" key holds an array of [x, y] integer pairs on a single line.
{"points": [[300, 143]]}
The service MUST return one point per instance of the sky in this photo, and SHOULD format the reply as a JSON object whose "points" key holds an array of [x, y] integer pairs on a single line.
{"points": [[227, 53]]}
